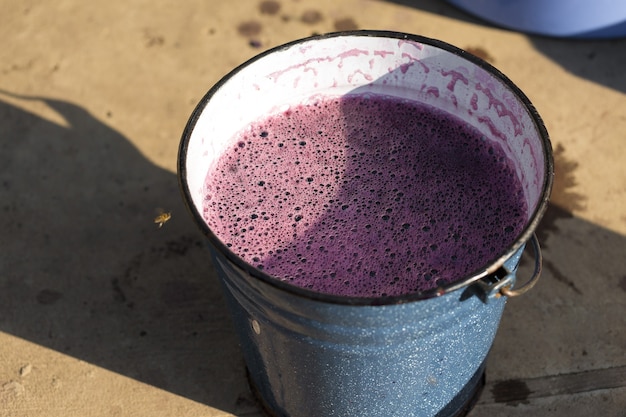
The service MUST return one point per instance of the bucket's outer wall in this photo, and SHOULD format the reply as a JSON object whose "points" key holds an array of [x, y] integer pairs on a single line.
{"points": [[313, 358]]}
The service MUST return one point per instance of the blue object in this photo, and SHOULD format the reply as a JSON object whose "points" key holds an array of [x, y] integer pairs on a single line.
{"points": [[561, 18], [308, 357]]}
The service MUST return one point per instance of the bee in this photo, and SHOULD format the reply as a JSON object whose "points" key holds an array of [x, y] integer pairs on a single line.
{"points": [[162, 218]]}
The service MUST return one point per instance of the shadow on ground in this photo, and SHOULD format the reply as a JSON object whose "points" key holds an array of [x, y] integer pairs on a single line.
{"points": [[84, 269]]}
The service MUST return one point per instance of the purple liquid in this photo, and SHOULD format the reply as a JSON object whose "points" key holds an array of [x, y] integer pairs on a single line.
{"points": [[365, 196]]}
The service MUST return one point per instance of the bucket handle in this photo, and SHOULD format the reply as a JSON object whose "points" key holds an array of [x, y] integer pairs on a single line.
{"points": [[508, 291]]}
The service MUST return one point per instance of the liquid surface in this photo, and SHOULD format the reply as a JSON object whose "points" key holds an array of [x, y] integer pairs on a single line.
{"points": [[365, 196]]}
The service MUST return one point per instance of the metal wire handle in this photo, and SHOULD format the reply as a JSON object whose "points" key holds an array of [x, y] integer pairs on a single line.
{"points": [[508, 291]]}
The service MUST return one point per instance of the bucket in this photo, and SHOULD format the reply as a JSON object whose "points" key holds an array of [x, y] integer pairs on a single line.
{"points": [[582, 19], [311, 353]]}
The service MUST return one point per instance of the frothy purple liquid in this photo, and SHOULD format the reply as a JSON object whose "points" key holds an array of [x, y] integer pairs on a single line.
{"points": [[365, 196]]}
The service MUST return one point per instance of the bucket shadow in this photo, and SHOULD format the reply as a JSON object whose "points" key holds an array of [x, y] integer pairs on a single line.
{"points": [[84, 270], [600, 61], [569, 322]]}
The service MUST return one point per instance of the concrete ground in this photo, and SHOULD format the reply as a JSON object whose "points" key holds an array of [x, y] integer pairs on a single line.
{"points": [[103, 313]]}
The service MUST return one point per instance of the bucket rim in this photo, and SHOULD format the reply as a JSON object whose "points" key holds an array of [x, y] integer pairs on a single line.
{"points": [[492, 265]]}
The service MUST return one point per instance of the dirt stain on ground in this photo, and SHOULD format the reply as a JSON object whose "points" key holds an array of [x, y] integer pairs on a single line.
{"points": [[345, 24], [250, 28], [128, 286], [152, 39], [47, 296], [311, 17], [270, 7], [512, 392]]}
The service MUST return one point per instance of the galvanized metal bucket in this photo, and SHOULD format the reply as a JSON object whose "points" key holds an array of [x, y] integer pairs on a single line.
{"points": [[421, 354]]}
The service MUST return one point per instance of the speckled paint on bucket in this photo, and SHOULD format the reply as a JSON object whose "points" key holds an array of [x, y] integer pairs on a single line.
{"points": [[313, 358]]}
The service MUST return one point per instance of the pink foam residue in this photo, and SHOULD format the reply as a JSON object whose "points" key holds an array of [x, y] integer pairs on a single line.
{"points": [[429, 90], [474, 101], [277, 74], [405, 67], [501, 109], [456, 76], [352, 53], [492, 128], [311, 61], [383, 54], [537, 180], [416, 45], [413, 59], [368, 77]]}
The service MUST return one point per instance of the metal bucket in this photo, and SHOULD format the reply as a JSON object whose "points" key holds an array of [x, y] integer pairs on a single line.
{"points": [[420, 354]]}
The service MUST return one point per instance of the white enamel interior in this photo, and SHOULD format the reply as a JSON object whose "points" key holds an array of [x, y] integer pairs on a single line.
{"points": [[366, 64]]}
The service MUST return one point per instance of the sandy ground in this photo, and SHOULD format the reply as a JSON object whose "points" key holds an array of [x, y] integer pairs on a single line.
{"points": [[103, 313]]}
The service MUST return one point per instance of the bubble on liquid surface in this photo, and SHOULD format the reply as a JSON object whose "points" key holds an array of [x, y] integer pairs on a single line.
{"points": [[365, 196]]}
